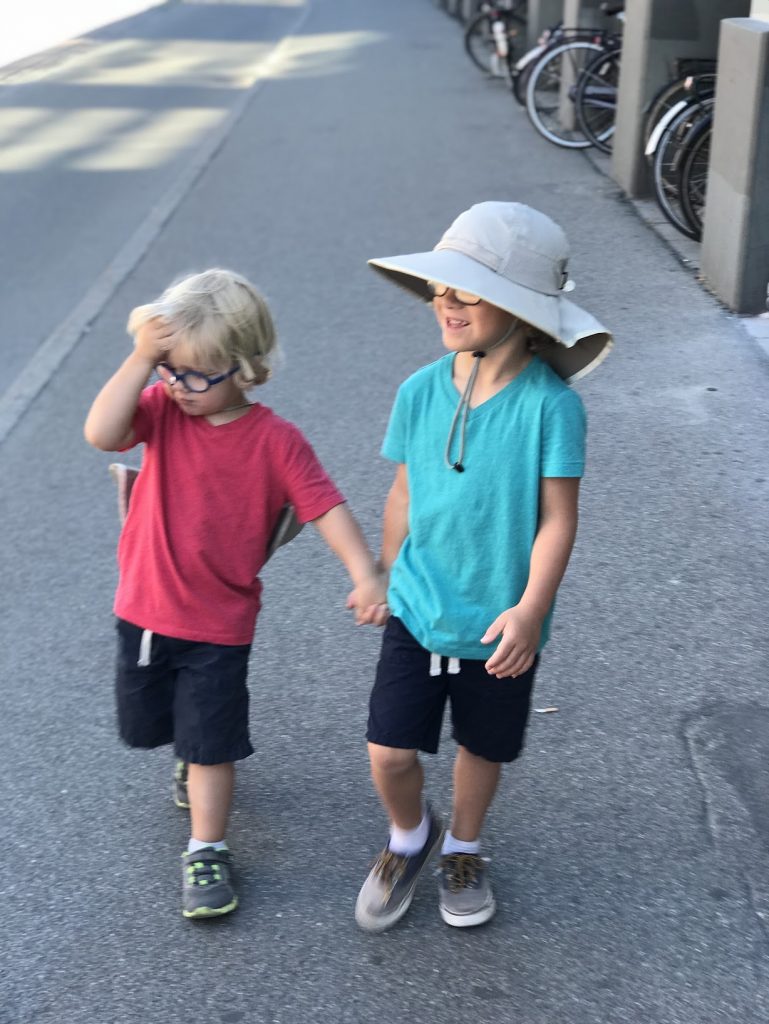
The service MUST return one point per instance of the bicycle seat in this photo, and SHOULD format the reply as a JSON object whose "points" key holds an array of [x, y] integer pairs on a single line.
{"points": [[612, 8]]}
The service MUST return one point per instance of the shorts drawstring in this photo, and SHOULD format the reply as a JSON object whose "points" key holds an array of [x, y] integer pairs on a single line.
{"points": [[453, 668], [145, 649]]}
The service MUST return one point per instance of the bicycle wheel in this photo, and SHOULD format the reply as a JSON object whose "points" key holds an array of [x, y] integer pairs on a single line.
{"points": [[551, 88], [521, 70], [525, 64], [481, 46], [668, 159], [701, 85], [596, 99], [694, 173]]}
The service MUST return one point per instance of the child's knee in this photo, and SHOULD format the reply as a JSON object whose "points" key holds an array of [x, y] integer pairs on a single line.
{"points": [[391, 760]]}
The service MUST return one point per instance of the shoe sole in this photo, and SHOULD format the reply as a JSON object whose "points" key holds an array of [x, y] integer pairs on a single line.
{"points": [[179, 803], [201, 913], [468, 920], [376, 923]]}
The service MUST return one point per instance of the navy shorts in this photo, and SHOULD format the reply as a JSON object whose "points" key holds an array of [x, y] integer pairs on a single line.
{"points": [[191, 694], [488, 715]]}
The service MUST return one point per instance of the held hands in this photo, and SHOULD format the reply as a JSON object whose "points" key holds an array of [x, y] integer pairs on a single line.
{"points": [[154, 340], [517, 649], [369, 600]]}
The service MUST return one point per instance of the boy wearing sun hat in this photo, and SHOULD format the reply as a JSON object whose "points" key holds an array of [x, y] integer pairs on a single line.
{"points": [[479, 525]]}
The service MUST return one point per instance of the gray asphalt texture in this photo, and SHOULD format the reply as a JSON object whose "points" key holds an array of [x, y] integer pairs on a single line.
{"points": [[630, 845]]}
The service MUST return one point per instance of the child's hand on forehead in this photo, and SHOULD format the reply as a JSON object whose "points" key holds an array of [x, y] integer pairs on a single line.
{"points": [[155, 339]]}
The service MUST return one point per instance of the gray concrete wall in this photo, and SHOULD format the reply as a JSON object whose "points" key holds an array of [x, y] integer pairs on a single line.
{"points": [[542, 14], [735, 249], [657, 33], [583, 13]]}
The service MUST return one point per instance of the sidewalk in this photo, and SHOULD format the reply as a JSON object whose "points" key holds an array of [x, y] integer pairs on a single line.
{"points": [[687, 250]]}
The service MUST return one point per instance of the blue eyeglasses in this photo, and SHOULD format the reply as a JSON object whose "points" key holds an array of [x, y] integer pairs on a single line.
{"points": [[192, 380]]}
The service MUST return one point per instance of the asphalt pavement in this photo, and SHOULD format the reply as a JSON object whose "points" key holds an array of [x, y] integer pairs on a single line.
{"points": [[630, 845]]}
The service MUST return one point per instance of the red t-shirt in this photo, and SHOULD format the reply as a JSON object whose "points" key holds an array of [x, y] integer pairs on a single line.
{"points": [[201, 515]]}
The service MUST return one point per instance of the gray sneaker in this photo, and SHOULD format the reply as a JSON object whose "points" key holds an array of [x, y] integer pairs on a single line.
{"points": [[179, 785], [466, 898], [389, 889], [207, 883]]}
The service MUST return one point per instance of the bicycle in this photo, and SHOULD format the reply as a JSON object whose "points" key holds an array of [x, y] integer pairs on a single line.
{"points": [[668, 158], [553, 81], [522, 68], [494, 36], [693, 181], [595, 99]]}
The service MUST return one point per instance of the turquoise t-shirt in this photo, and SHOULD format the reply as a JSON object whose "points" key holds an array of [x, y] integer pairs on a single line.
{"points": [[466, 556]]}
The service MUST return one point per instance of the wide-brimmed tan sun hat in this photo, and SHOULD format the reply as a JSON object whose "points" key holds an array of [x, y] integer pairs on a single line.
{"points": [[516, 258]]}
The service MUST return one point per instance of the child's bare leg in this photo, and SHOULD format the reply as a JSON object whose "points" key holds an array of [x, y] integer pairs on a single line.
{"points": [[210, 788], [398, 778], [414, 834], [475, 783]]}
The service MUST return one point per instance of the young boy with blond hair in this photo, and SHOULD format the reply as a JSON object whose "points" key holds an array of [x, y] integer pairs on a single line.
{"points": [[218, 471]]}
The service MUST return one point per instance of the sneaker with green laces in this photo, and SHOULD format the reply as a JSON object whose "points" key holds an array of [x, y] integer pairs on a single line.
{"points": [[466, 898], [387, 893], [207, 883], [179, 786]]}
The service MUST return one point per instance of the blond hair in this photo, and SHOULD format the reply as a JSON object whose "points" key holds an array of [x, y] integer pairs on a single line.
{"points": [[223, 319]]}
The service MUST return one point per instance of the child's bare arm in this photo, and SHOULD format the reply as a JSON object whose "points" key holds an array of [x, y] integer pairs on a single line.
{"points": [[108, 425], [395, 527], [343, 535], [521, 625]]}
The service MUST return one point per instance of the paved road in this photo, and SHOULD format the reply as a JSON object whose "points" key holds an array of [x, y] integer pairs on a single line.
{"points": [[99, 140], [630, 845], [37, 25]]}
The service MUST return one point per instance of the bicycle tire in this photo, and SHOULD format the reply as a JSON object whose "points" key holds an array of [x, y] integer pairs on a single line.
{"points": [[479, 39], [518, 83], [672, 93], [596, 99], [694, 173], [545, 87], [519, 76], [667, 164]]}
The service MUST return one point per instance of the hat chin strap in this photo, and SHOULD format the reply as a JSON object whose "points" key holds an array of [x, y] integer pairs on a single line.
{"points": [[463, 405]]}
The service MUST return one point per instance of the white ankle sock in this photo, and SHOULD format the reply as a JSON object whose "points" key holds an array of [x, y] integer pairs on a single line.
{"points": [[196, 844], [453, 845], [408, 841]]}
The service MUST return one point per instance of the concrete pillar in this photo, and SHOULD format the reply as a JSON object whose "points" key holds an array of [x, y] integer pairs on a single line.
{"points": [[658, 33], [735, 242], [542, 14]]}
